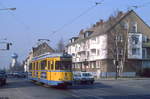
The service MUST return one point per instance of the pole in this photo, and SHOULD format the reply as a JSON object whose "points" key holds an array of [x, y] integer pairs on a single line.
{"points": [[8, 9]]}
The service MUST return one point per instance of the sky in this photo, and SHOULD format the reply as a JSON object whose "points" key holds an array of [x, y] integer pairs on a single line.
{"points": [[38, 19]]}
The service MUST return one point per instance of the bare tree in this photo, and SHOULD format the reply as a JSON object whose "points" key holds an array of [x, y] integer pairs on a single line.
{"points": [[117, 42], [60, 46]]}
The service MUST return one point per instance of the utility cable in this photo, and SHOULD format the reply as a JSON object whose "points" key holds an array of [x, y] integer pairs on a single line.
{"points": [[76, 18], [17, 18], [138, 6]]}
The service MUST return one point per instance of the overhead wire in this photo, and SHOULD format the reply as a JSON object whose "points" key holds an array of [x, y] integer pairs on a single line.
{"points": [[17, 19], [138, 6], [76, 18]]}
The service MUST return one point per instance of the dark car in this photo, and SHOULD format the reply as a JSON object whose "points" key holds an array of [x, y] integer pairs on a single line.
{"points": [[19, 75], [2, 79]]}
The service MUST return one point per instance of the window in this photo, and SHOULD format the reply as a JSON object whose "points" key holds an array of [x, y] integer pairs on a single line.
{"points": [[98, 52], [57, 65], [94, 64], [52, 65], [86, 74], [146, 64], [135, 39], [135, 51], [43, 64], [125, 25], [88, 33], [93, 51], [93, 40], [120, 51], [63, 65], [98, 64], [43, 75], [144, 39], [33, 66], [49, 65], [120, 38], [144, 53], [133, 27], [37, 66]]}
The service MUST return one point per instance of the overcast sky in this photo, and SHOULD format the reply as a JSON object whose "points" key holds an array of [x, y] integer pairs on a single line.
{"points": [[34, 19]]}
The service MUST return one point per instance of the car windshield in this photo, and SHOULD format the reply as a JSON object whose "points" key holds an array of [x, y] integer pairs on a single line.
{"points": [[86, 74], [77, 75]]}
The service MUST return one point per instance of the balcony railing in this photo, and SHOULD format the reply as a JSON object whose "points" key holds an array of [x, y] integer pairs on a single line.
{"points": [[93, 46], [146, 44]]}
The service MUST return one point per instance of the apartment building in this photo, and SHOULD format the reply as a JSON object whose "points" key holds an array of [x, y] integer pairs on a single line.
{"points": [[119, 45]]}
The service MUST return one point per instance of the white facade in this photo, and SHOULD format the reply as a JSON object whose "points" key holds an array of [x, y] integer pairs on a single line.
{"points": [[135, 46], [27, 62], [94, 48]]}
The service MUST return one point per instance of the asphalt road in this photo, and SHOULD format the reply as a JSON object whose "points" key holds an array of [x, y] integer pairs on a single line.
{"points": [[103, 89]]}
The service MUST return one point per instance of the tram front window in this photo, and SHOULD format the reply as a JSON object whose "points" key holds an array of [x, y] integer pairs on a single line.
{"points": [[63, 65]]}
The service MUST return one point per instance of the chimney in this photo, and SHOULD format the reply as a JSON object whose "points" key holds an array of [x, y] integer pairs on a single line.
{"points": [[120, 14], [97, 23], [81, 31], [94, 25], [101, 21]]}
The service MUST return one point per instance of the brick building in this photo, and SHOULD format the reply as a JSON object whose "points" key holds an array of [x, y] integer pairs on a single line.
{"points": [[42, 48]]}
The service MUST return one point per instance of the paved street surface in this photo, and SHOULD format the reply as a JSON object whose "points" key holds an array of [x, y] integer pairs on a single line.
{"points": [[102, 89]]}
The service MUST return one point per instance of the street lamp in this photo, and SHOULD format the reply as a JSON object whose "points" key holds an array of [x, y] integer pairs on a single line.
{"points": [[8, 9], [8, 44], [85, 64]]}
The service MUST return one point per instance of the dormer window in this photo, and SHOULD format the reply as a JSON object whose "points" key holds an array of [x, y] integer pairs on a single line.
{"points": [[87, 33]]}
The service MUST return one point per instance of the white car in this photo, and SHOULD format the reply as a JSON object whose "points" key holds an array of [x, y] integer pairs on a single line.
{"points": [[81, 77]]}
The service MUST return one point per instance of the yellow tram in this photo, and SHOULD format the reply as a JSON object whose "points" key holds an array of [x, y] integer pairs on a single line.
{"points": [[51, 69]]}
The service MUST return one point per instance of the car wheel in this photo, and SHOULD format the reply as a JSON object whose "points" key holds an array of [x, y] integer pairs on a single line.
{"points": [[5, 82], [1, 83], [92, 82]]}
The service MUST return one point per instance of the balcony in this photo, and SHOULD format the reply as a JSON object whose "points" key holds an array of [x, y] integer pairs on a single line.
{"points": [[147, 44], [93, 46], [82, 49]]}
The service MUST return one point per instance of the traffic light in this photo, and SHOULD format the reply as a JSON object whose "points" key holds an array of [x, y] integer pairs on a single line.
{"points": [[8, 46]]}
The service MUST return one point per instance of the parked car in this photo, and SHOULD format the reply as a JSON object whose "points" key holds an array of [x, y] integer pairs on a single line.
{"points": [[83, 77], [19, 75], [2, 78], [9, 75]]}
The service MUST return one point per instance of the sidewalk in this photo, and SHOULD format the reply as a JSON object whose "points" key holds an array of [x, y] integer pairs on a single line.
{"points": [[119, 78]]}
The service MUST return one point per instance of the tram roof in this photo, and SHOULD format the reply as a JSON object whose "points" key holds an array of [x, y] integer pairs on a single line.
{"points": [[50, 55]]}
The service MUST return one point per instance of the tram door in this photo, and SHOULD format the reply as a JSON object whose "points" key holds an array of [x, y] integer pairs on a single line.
{"points": [[49, 70]]}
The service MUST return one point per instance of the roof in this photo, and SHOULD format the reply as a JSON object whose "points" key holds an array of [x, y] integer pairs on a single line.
{"points": [[41, 49], [50, 55], [99, 29]]}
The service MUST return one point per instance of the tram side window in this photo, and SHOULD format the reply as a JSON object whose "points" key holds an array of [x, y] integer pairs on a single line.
{"points": [[33, 66], [49, 64], [37, 65], [66, 65], [43, 64], [57, 65], [52, 65]]}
